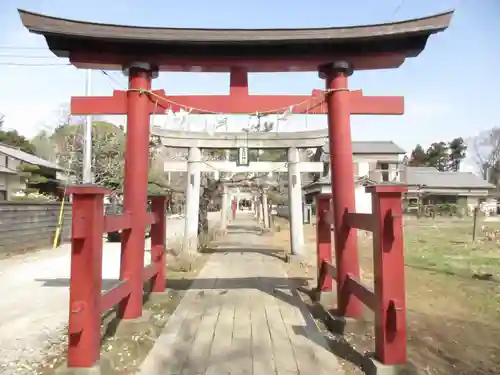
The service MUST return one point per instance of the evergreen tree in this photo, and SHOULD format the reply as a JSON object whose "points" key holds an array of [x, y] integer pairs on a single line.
{"points": [[418, 157], [457, 151], [14, 139], [437, 156]]}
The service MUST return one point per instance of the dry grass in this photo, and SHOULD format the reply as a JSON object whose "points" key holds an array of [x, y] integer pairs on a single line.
{"points": [[453, 296]]}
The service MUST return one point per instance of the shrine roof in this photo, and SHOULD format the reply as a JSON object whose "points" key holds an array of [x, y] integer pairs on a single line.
{"points": [[68, 38]]}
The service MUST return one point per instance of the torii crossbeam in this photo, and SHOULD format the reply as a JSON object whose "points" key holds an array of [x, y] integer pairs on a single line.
{"points": [[238, 102]]}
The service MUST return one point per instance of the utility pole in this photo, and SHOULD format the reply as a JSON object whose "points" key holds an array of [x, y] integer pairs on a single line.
{"points": [[87, 151]]}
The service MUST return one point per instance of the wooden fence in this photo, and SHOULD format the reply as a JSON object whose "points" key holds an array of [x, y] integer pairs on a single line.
{"points": [[30, 225]]}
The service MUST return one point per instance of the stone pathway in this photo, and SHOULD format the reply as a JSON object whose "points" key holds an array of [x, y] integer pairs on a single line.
{"points": [[241, 317]]}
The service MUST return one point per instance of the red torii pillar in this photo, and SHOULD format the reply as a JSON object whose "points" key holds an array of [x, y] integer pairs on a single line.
{"points": [[342, 182], [135, 185]]}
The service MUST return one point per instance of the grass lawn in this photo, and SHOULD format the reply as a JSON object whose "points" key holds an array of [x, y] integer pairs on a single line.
{"points": [[453, 295]]}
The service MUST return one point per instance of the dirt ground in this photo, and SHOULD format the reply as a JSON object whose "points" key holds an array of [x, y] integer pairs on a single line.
{"points": [[453, 297], [123, 351]]}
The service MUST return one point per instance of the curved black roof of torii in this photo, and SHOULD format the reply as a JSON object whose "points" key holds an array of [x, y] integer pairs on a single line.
{"points": [[65, 37]]}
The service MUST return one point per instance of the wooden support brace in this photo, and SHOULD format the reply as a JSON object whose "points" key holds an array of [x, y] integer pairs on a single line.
{"points": [[115, 295], [360, 221], [114, 223], [388, 259], [84, 325], [362, 292]]}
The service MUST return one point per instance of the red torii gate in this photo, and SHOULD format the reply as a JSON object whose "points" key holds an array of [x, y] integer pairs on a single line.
{"points": [[142, 52]]}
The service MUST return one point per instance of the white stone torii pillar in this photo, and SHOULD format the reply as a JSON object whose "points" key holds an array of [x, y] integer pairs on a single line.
{"points": [[190, 243], [265, 210], [295, 203], [260, 213], [224, 207]]}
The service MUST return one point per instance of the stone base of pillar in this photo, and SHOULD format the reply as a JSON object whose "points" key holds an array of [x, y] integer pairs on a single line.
{"points": [[221, 232], [190, 245], [102, 367], [374, 367]]}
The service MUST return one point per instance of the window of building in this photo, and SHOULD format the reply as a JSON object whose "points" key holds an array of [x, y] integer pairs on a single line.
{"points": [[384, 171]]}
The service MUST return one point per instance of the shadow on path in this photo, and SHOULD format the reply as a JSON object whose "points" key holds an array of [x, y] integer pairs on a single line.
{"points": [[241, 228], [275, 253], [275, 286]]}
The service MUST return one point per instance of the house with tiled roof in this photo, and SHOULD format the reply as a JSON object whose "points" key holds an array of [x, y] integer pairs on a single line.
{"points": [[436, 187], [11, 180], [381, 162]]}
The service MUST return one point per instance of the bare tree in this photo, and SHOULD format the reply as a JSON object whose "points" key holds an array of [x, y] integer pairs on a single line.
{"points": [[485, 148]]}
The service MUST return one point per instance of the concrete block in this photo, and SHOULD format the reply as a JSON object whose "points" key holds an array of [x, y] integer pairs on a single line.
{"points": [[127, 327], [102, 367], [327, 299], [374, 367]]}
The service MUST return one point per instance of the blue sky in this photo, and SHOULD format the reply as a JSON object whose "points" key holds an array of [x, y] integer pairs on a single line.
{"points": [[452, 89]]}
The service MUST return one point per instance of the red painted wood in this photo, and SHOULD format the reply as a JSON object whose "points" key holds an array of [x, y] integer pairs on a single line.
{"points": [[148, 272], [361, 291], [323, 243], [78, 227], [87, 189], [158, 245], [238, 82], [86, 276], [360, 221], [273, 64], [135, 191], [388, 258], [342, 172], [78, 317], [114, 223], [234, 208], [237, 102], [114, 296], [110, 105]]}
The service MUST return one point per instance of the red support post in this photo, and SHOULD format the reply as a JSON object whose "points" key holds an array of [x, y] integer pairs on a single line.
{"points": [[323, 243], [84, 331], [234, 208], [388, 260], [158, 238], [342, 181], [135, 187]]}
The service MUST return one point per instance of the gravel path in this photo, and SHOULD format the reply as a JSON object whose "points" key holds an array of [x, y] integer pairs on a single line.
{"points": [[34, 303]]}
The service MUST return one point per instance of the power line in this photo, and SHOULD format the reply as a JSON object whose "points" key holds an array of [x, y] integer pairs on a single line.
{"points": [[32, 65], [398, 7], [111, 78]]}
